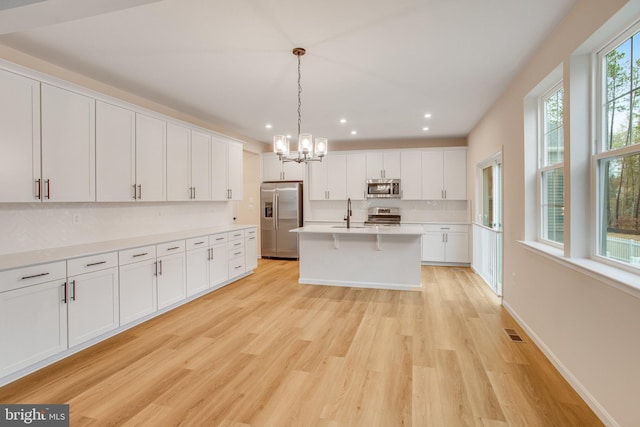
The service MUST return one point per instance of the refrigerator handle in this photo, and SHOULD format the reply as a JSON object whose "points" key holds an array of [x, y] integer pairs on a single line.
{"points": [[276, 218]]}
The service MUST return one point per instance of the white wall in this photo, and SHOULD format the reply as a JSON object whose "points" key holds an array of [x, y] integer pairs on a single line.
{"points": [[589, 329]]}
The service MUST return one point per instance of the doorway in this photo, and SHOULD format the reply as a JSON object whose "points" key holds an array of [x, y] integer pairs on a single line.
{"points": [[487, 224]]}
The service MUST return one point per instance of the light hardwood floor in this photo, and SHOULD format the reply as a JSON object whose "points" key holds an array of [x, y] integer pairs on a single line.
{"points": [[266, 351]]}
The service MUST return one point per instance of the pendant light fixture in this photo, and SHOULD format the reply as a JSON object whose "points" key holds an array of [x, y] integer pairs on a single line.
{"points": [[307, 150]]}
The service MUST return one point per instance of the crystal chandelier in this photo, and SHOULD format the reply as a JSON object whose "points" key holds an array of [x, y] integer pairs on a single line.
{"points": [[307, 150]]}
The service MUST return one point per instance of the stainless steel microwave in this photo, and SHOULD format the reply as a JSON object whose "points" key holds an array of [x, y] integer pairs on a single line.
{"points": [[383, 189]]}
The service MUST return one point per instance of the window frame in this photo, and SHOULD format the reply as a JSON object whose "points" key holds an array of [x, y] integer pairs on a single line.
{"points": [[599, 148], [541, 168]]}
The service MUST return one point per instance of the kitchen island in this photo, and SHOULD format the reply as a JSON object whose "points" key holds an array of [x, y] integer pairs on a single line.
{"points": [[360, 256]]}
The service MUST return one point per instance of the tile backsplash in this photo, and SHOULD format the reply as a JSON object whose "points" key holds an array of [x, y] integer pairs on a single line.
{"points": [[33, 226]]}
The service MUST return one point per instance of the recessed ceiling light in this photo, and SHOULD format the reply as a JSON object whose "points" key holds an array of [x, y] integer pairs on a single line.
{"points": [[427, 116], [425, 128], [354, 132], [289, 136], [268, 126], [343, 120]]}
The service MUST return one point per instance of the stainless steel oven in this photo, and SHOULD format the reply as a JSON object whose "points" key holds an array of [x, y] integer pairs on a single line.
{"points": [[383, 189]]}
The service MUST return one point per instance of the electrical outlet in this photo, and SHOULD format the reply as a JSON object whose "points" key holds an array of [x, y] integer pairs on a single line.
{"points": [[76, 219]]}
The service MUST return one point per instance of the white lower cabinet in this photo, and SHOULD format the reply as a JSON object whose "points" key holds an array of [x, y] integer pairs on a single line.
{"points": [[48, 309], [198, 260], [235, 253], [446, 243], [171, 273], [219, 264], [33, 324], [138, 292], [93, 305], [250, 249]]}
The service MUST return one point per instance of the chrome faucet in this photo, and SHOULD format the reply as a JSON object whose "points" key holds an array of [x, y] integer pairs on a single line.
{"points": [[347, 217]]}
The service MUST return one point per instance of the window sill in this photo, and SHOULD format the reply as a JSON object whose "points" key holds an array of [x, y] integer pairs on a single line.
{"points": [[622, 280]]}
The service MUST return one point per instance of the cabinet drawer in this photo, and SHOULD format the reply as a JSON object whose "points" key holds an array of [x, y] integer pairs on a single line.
{"points": [[250, 232], [197, 242], [236, 267], [169, 248], [238, 234], [142, 253], [451, 228], [235, 244], [235, 253], [92, 263], [32, 275], [215, 239]]}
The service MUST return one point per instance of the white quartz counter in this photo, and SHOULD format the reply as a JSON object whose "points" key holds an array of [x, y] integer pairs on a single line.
{"points": [[406, 230], [20, 259]]}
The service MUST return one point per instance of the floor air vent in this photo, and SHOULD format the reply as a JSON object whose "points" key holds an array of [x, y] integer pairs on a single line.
{"points": [[513, 335]]}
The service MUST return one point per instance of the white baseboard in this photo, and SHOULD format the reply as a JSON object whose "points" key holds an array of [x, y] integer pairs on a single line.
{"points": [[590, 400]]}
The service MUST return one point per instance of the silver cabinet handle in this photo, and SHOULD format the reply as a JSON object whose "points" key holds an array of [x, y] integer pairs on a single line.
{"points": [[34, 276], [139, 191], [64, 295], [155, 264], [160, 267], [198, 243], [135, 192], [73, 296], [38, 190], [194, 193], [220, 238], [237, 267], [95, 263], [236, 253], [211, 254], [142, 254], [237, 244], [173, 248], [48, 184]]}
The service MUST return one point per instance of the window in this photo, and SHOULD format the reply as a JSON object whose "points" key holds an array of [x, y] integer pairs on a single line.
{"points": [[617, 156], [551, 169]]}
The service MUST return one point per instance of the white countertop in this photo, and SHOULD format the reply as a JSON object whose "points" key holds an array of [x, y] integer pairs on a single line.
{"points": [[406, 230], [21, 259]]}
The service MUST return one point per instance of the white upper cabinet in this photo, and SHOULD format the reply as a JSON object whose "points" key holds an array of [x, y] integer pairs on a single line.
{"points": [[178, 159], [455, 175], [151, 140], [68, 145], [383, 164], [226, 170], [356, 176], [115, 153], [275, 170], [235, 170], [199, 170], [411, 175], [444, 175], [328, 179], [19, 138]]}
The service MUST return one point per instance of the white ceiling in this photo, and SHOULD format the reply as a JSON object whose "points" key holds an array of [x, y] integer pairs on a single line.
{"points": [[380, 64]]}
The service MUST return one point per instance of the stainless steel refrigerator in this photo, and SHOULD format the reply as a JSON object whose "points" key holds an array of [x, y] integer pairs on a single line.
{"points": [[281, 211]]}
